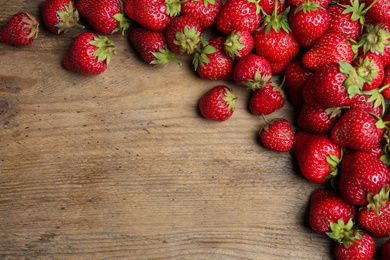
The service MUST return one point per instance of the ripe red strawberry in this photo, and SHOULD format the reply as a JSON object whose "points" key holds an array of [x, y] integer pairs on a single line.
{"points": [[21, 29], [329, 48], [386, 82], [370, 68], [267, 100], [89, 54], [379, 11], [308, 22], [294, 3], [239, 44], [317, 156], [386, 250], [296, 75], [327, 207], [59, 15], [217, 103], [151, 45], [239, 14], [211, 61], [375, 218], [204, 11], [362, 173], [277, 135], [317, 120], [267, 6], [152, 14], [358, 130], [363, 248], [183, 34], [252, 72], [372, 102], [275, 41]]}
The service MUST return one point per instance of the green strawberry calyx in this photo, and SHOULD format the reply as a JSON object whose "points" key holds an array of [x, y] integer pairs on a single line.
{"points": [[174, 7], [376, 97], [31, 23], [377, 201], [123, 21], [105, 48], [188, 40], [343, 233], [308, 7], [206, 2], [230, 99], [375, 39], [357, 11], [69, 18], [354, 82], [200, 56], [233, 44], [276, 21], [163, 57], [258, 82], [367, 69]]}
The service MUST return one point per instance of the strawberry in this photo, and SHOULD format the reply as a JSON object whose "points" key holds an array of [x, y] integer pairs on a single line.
{"points": [[252, 72], [277, 135], [267, 99], [267, 6], [370, 101], [386, 250], [370, 68], [296, 75], [317, 120], [308, 22], [183, 34], [239, 44], [217, 103], [362, 248], [362, 174], [329, 48], [21, 30], [152, 14], [295, 3], [386, 82], [239, 14], [59, 15], [317, 156], [327, 207], [89, 54], [358, 130], [151, 45], [211, 62], [379, 11], [204, 11], [375, 218]]}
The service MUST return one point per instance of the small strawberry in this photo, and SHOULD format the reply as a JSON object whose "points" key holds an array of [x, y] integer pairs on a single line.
{"points": [[183, 34], [308, 22], [386, 250], [211, 61], [252, 72], [89, 54], [362, 248], [362, 174], [277, 135], [239, 44], [296, 75], [317, 120], [21, 30], [317, 156], [267, 100], [151, 45], [217, 103], [379, 11], [204, 11], [59, 15], [239, 15]]}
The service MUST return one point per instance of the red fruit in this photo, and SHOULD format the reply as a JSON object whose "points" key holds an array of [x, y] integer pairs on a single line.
{"points": [[105, 16], [217, 103], [204, 11], [317, 156], [239, 15], [327, 207], [372, 102], [277, 135], [151, 45], [89, 54], [317, 120], [267, 99], [21, 29], [357, 130], [239, 44], [294, 3], [379, 11], [59, 15], [252, 72], [296, 75], [363, 248], [361, 174], [386, 82], [268, 6], [308, 22], [370, 68], [329, 48], [212, 62], [183, 35], [386, 250]]}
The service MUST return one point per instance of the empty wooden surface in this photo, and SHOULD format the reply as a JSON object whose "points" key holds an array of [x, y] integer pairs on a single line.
{"points": [[122, 165]]}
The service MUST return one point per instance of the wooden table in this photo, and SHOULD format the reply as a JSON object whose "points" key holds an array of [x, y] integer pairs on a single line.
{"points": [[123, 166]]}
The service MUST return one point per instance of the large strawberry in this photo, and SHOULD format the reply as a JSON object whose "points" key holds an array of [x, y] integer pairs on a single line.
{"points": [[317, 120], [218, 103], [239, 44], [21, 29], [362, 174], [239, 14], [386, 250], [59, 15], [296, 75], [362, 248], [379, 11], [252, 72], [267, 99], [277, 135], [89, 54], [204, 11]]}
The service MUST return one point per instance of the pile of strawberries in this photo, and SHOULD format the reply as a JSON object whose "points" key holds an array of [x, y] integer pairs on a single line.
{"points": [[335, 62]]}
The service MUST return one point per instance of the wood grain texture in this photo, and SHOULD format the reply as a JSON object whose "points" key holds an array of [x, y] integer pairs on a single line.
{"points": [[122, 166]]}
